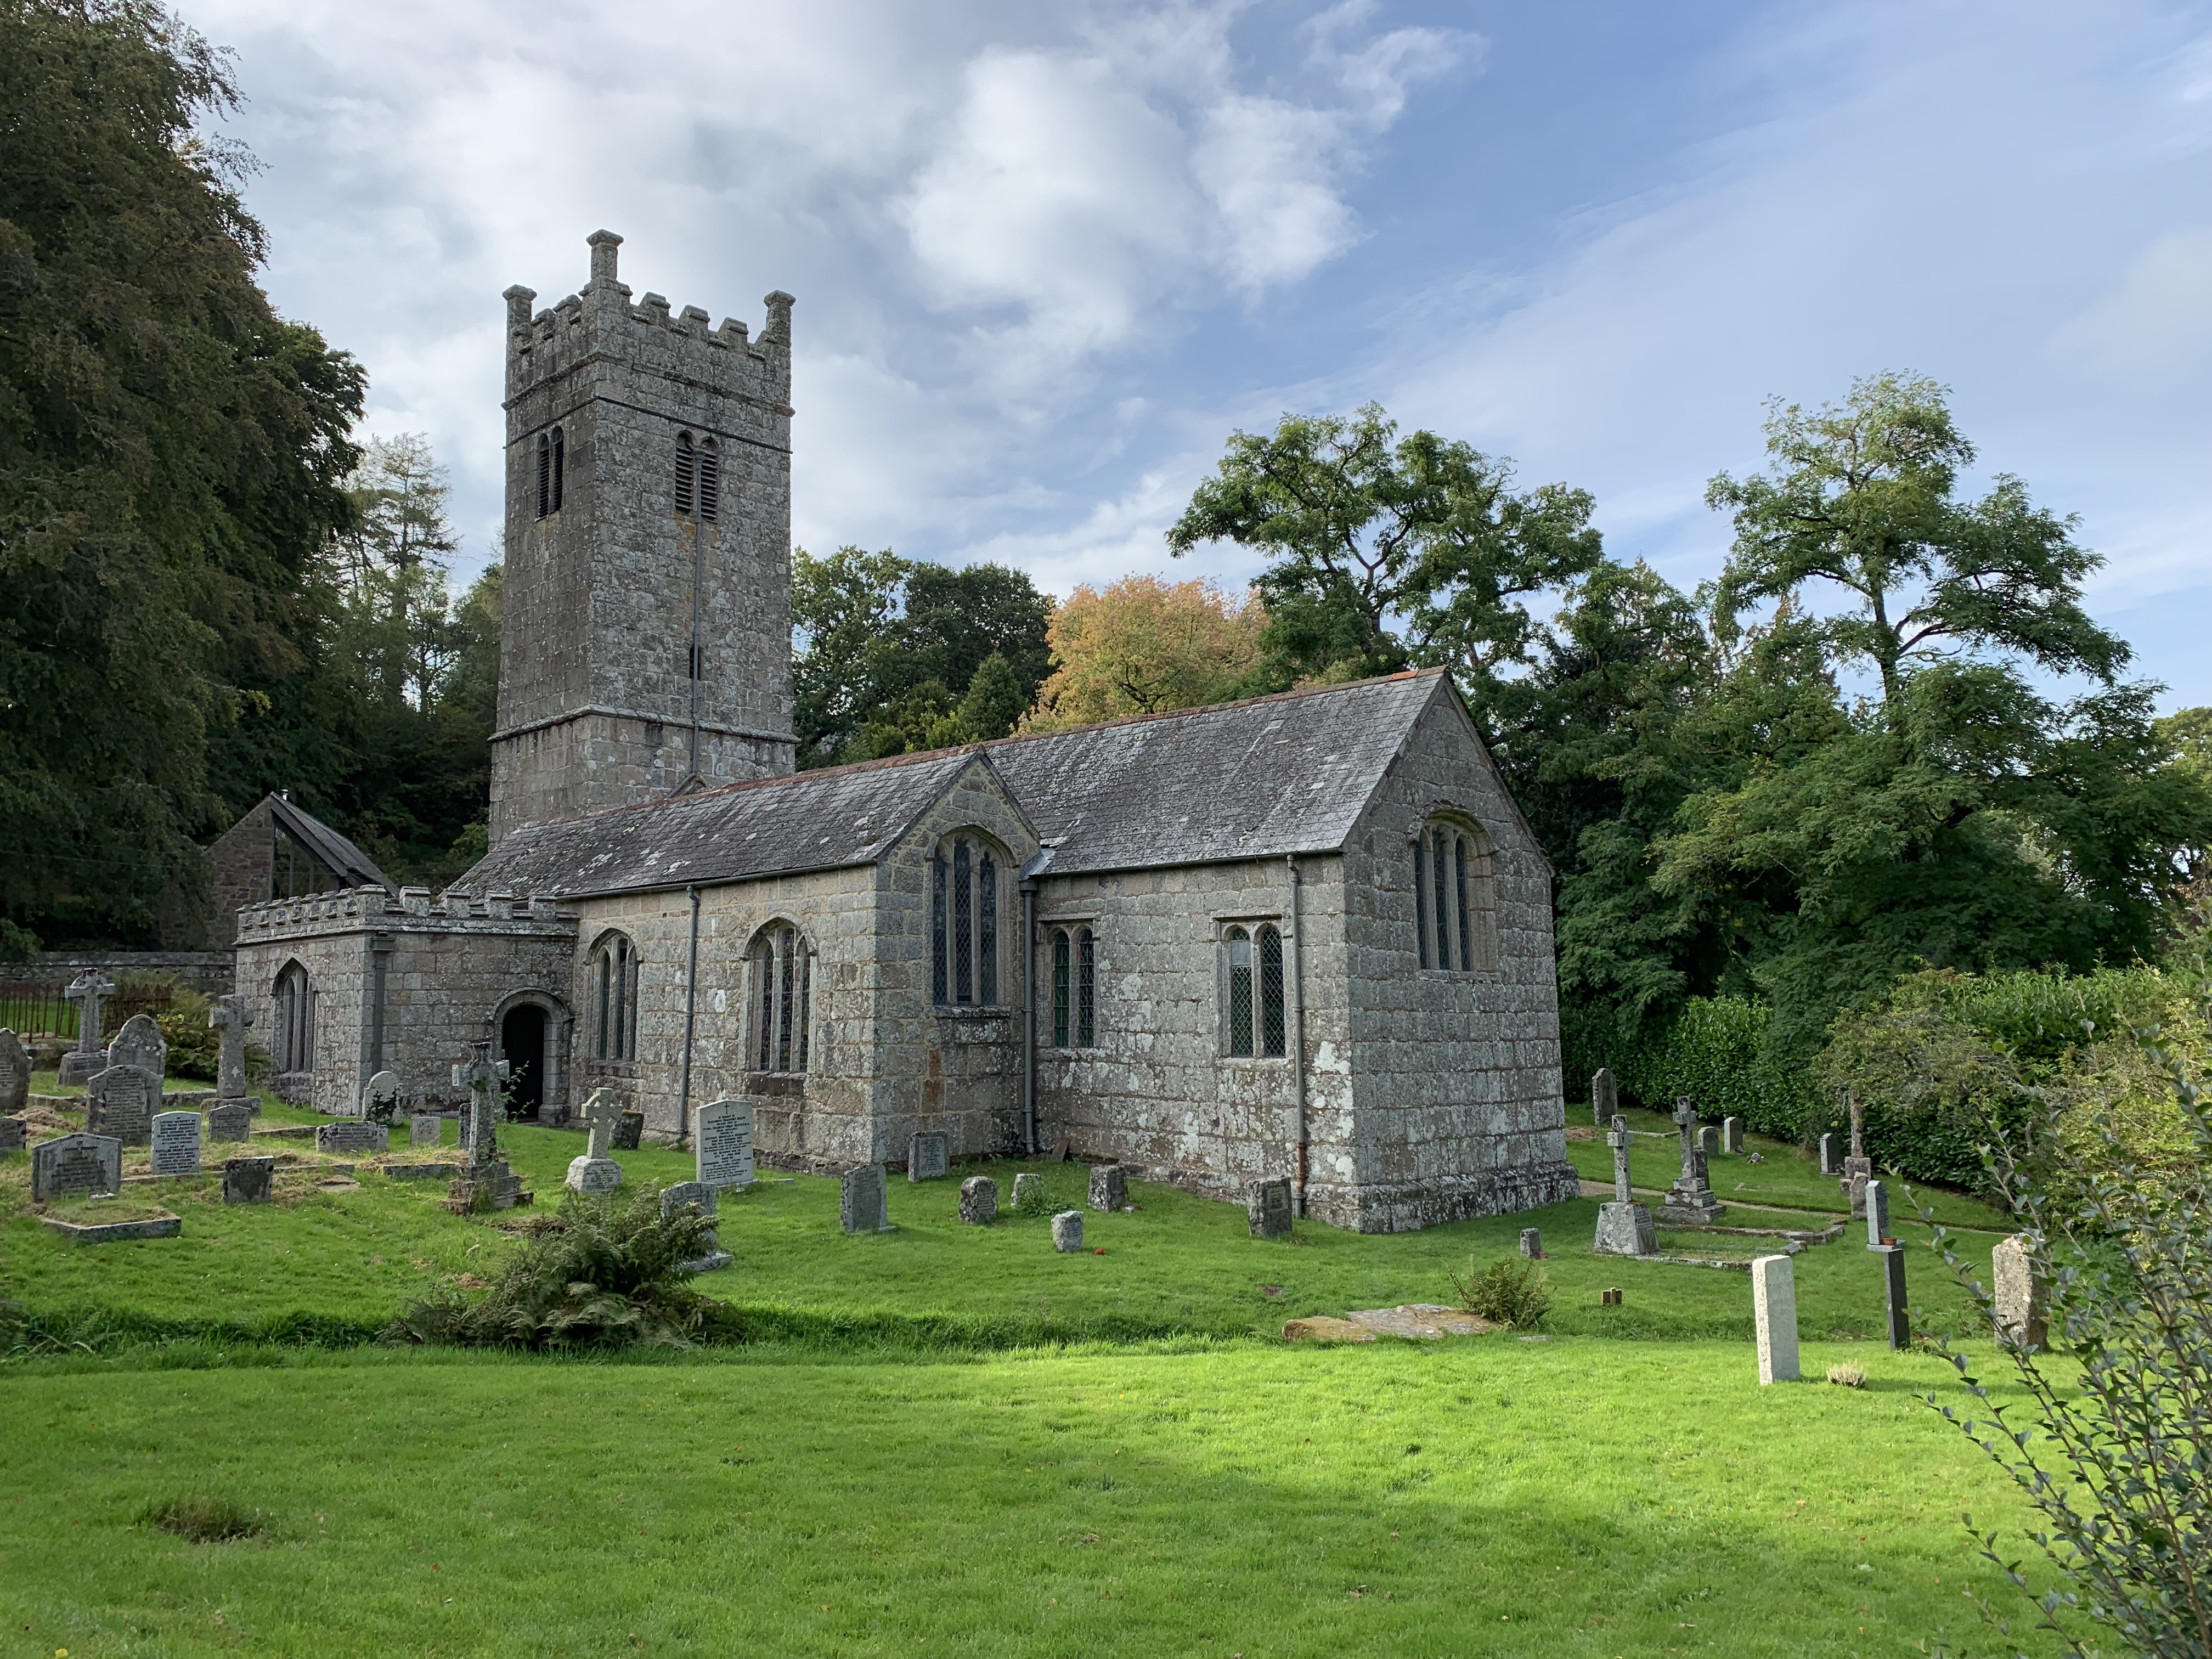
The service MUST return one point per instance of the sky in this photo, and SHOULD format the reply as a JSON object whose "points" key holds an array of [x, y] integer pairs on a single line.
{"points": [[1048, 257]]}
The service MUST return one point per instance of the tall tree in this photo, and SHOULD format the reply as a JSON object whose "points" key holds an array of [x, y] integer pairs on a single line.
{"points": [[170, 458], [1141, 646]]}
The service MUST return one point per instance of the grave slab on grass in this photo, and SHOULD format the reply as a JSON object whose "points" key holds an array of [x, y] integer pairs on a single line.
{"points": [[116, 1232], [421, 1171], [1421, 1322]]}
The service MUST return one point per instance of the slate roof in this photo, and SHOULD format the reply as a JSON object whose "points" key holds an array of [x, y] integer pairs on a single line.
{"points": [[352, 867], [1274, 775]]}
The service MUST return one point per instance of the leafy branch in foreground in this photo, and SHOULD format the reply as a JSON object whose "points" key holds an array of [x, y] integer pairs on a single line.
{"points": [[2117, 1465]]}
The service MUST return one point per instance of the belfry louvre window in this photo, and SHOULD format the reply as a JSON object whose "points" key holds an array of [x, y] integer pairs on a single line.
{"points": [[1074, 989], [710, 482], [686, 469], [1455, 899], [549, 468], [1252, 964], [963, 924], [614, 999], [782, 999]]}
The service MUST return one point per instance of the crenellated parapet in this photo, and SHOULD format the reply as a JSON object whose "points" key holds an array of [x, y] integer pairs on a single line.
{"points": [[416, 909]]}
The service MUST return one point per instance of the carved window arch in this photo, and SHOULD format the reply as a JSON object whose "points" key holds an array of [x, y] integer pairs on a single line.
{"points": [[550, 465], [614, 999], [1455, 897], [293, 1041], [1255, 1023], [966, 873], [782, 999], [1074, 987]]}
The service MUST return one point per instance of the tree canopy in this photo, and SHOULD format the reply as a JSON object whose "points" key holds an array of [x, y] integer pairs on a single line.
{"points": [[1141, 646]]}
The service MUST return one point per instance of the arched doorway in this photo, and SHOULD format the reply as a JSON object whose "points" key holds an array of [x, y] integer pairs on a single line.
{"points": [[522, 1045]]}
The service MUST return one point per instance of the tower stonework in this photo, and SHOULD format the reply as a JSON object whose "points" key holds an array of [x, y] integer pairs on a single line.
{"points": [[645, 642]]}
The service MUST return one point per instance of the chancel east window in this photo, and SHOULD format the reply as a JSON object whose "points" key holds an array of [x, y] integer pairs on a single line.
{"points": [[614, 999], [963, 924], [1252, 972], [549, 467], [1074, 989], [293, 1041], [782, 999], [1455, 899]]}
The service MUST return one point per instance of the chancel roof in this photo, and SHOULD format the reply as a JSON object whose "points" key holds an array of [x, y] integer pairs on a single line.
{"points": [[1287, 774], [352, 866]]}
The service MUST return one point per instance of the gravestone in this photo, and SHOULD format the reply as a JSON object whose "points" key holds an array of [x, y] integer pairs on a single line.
{"points": [[1624, 1226], [15, 1074], [1110, 1187], [1858, 1168], [1828, 1165], [1532, 1243], [89, 1057], [1893, 1279], [2021, 1297], [1708, 1140], [673, 1199], [486, 1180], [140, 1043], [1774, 1313], [1877, 1214], [864, 1201], [13, 1133], [381, 1098], [979, 1201], [1690, 1198], [1267, 1209], [75, 1166], [629, 1129], [176, 1144], [353, 1135], [1732, 1136], [426, 1129], [230, 1120], [722, 1143], [248, 1180], [121, 1101], [230, 1019], [928, 1155], [1029, 1191], [595, 1172], [1068, 1231], [1605, 1097]]}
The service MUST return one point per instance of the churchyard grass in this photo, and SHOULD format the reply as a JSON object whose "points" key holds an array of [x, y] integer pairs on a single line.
{"points": [[1481, 1496]]}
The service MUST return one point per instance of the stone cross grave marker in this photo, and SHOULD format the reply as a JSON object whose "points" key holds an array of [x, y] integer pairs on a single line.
{"points": [[1532, 1243], [426, 1129], [1877, 1214], [1858, 1168], [979, 1201], [176, 1144], [595, 1172], [248, 1180], [722, 1143], [121, 1101], [1690, 1198], [140, 1043], [1624, 1226], [864, 1200], [1621, 1140], [480, 1077], [1732, 1136], [1267, 1209], [85, 1061], [928, 1155], [229, 1121], [1605, 1096], [1110, 1187], [230, 1019], [381, 1098], [1067, 1231], [1774, 1313], [2021, 1297], [75, 1166], [15, 1074]]}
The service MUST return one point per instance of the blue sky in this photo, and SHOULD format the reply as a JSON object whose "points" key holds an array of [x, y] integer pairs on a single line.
{"points": [[1047, 257]]}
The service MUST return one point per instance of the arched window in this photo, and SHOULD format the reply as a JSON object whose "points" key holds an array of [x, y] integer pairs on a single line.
{"points": [[1252, 963], [782, 999], [293, 1041], [686, 468], [614, 999], [710, 481], [550, 459], [963, 924], [1074, 989], [1455, 899]]}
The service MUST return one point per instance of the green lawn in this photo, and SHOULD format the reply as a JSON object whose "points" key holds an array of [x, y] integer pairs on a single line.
{"points": [[1491, 1496]]}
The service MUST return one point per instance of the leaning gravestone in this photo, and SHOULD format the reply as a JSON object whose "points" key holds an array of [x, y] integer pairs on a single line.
{"points": [[629, 1129], [1068, 1231], [12, 1134], [1774, 1313], [1605, 1096], [15, 1074], [1110, 1187], [176, 1144], [1267, 1209], [75, 1166], [230, 1120], [121, 1102], [2020, 1294], [230, 1019], [248, 1180], [979, 1201], [863, 1201], [722, 1143], [928, 1155], [425, 1129], [352, 1135], [140, 1043], [380, 1097]]}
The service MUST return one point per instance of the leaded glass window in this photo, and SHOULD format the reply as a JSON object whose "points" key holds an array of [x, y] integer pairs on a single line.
{"points": [[783, 969], [1086, 989], [1060, 976], [1270, 994], [964, 875], [963, 924], [1455, 899], [614, 989], [987, 930], [941, 978], [1240, 992]]}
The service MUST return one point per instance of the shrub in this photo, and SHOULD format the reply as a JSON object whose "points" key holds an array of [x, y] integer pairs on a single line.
{"points": [[203, 1520], [1715, 1050], [601, 1273], [195, 1047], [1847, 1376], [1511, 1291]]}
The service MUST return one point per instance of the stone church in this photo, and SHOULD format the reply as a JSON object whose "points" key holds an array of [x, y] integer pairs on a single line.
{"points": [[1308, 935]]}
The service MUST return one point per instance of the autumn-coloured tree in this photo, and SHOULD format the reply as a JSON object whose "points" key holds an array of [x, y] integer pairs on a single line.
{"points": [[1143, 647]]}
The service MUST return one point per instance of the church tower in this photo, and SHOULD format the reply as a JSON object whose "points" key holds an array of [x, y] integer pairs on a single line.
{"points": [[645, 645]]}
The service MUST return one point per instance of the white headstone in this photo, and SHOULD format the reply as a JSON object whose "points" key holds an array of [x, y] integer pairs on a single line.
{"points": [[380, 1097], [1774, 1312], [176, 1143], [722, 1140]]}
